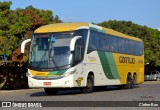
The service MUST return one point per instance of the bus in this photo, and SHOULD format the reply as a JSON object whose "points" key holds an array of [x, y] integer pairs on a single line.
{"points": [[84, 56]]}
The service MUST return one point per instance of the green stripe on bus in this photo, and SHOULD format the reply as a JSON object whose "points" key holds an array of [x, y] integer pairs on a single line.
{"points": [[108, 65], [112, 65], [59, 72], [105, 65]]}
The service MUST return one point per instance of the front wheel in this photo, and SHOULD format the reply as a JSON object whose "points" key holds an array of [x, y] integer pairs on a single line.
{"points": [[51, 91], [90, 85]]}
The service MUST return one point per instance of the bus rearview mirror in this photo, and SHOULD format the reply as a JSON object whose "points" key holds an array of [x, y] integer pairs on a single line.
{"points": [[73, 42], [23, 45]]}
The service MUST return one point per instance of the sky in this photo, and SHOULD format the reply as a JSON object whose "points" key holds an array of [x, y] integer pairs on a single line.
{"points": [[142, 12]]}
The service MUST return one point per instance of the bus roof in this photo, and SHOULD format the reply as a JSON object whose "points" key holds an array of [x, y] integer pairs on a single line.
{"points": [[59, 27], [62, 27]]}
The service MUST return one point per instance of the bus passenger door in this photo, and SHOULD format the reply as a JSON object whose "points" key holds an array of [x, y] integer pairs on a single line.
{"points": [[77, 61]]}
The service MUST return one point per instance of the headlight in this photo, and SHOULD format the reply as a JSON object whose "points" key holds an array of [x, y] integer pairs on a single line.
{"points": [[69, 73]]}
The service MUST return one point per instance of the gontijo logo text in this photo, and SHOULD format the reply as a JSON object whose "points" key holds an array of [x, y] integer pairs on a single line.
{"points": [[128, 60]]}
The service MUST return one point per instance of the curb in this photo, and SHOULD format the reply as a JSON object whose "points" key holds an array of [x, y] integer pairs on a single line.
{"points": [[19, 90]]}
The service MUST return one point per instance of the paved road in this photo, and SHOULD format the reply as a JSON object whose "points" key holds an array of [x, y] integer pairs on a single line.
{"points": [[148, 91]]}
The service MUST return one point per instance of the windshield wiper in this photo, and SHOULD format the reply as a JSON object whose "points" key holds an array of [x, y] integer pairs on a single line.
{"points": [[55, 68]]}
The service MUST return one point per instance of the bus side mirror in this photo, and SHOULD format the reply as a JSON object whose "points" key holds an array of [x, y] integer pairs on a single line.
{"points": [[73, 42], [23, 45]]}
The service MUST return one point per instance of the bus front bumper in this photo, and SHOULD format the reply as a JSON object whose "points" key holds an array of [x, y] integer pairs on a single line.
{"points": [[65, 82]]}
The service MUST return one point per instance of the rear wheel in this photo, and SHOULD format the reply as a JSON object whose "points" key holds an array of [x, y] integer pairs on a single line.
{"points": [[51, 91], [90, 85], [129, 83], [134, 79]]}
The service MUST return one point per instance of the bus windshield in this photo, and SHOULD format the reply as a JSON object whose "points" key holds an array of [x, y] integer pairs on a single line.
{"points": [[50, 51]]}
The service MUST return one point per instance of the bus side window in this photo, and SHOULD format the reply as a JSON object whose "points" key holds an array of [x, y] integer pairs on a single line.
{"points": [[140, 48], [78, 51], [89, 45], [127, 46], [111, 43], [121, 45], [97, 41], [93, 41], [136, 48], [102, 44], [131, 47], [124, 48], [115, 47]]}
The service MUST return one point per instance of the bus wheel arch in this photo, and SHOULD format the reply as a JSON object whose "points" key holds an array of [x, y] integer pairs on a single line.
{"points": [[89, 83]]}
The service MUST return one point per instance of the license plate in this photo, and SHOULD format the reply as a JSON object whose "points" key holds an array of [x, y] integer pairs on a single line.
{"points": [[47, 83]]}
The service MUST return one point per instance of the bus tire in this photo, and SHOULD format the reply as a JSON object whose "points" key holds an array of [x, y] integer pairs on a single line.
{"points": [[90, 85], [129, 83], [134, 79], [51, 91]]}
